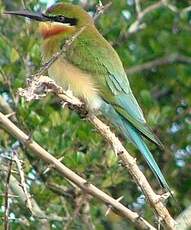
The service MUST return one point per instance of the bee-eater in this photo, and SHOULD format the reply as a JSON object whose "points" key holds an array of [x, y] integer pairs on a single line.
{"points": [[92, 69]]}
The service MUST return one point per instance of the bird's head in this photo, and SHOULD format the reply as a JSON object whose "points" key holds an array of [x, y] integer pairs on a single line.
{"points": [[61, 19]]}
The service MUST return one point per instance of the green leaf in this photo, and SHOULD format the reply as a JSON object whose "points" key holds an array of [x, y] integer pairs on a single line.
{"points": [[146, 96], [14, 55], [111, 158]]}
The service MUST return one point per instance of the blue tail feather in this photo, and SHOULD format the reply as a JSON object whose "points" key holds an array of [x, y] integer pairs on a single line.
{"points": [[135, 137]]}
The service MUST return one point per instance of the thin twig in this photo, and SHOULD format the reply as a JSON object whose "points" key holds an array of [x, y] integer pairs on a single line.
{"points": [[165, 60], [100, 9], [138, 7], [9, 195], [23, 184], [171, 7], [60, 189], [79, 203], [184, 219], [6, 108], [52, 166], [136, 25], [16, 189], [86, 215], [186, 10], [110, 208], [152, 8], [54, 57], [6, 215]]}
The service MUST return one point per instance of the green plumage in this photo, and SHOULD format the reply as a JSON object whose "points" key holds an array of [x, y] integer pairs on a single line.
{"points": [[91, 53], [94, 55]]}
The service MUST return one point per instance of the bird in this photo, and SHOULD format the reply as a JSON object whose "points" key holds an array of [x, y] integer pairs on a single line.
{"points": [[93, 71]]}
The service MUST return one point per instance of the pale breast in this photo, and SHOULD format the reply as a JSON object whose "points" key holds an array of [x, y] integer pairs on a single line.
{"points": [[70, 77]]}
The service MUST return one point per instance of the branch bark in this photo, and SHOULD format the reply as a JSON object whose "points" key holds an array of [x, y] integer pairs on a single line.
{"points": [[6, 205], [184, 219], [15, 188], [37, 211], [69, 174], [139, 24], [136, 25], [44, 84], [129, 162], [165, 60]]}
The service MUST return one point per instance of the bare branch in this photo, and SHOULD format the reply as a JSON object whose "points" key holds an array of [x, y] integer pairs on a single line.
{"points": [[128, 161], [69, 174], [100, 9], [184, 219], [52, 166], [6, 215], [6, 108], [152, 8], [79, 203], [18, 194], [23, 184], [138, 7], [86, 215], [165, 60], [136, 25], [170, 6], [67, 44], [110, 208], [186, 10], [38, 213]]}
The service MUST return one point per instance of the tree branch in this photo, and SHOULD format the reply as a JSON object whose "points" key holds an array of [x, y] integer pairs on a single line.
{"points": [[165, 60], [43, 83], [184, 219], [136, 25], [128, 161], [6, 108], [6, 214], [86, 216], [22, 180], [69, 174]]}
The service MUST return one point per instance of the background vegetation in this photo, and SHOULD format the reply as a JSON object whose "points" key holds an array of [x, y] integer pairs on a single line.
{"points": [[162, 87]]}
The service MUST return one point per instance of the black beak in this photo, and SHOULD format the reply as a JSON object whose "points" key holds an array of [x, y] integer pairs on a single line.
{"points": [[34, 16]]}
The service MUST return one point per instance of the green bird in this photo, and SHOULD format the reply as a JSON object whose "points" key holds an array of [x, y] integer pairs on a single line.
{"points": [[92, 69]]}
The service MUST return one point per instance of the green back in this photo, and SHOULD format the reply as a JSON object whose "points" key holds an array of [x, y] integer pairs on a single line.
{"points": [[93, 54]]}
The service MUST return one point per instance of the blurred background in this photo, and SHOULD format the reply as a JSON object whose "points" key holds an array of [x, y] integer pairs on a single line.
{"points": [[153, 41]]}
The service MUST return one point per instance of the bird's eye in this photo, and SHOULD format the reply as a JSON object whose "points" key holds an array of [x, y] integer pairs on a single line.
{"points": [[61, 18]]}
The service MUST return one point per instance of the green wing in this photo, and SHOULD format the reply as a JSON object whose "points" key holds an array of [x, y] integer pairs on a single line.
{"points": [[93, 54]]}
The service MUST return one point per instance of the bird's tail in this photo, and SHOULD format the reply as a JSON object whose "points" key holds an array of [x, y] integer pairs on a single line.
{"points": [[135, 137]]}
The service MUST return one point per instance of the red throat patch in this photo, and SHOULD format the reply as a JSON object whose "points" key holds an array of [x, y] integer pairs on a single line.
{"points": [[48, 30]]}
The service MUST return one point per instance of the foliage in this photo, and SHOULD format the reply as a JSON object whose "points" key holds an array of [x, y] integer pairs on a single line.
{"points": [[163, 93]]}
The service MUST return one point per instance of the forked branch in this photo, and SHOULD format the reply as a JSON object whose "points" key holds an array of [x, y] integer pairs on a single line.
{"points": [[140, 222], [46, 84]]}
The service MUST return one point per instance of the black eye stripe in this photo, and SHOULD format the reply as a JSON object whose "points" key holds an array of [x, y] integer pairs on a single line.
{"points": [[71, 21], [62, 19]]}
